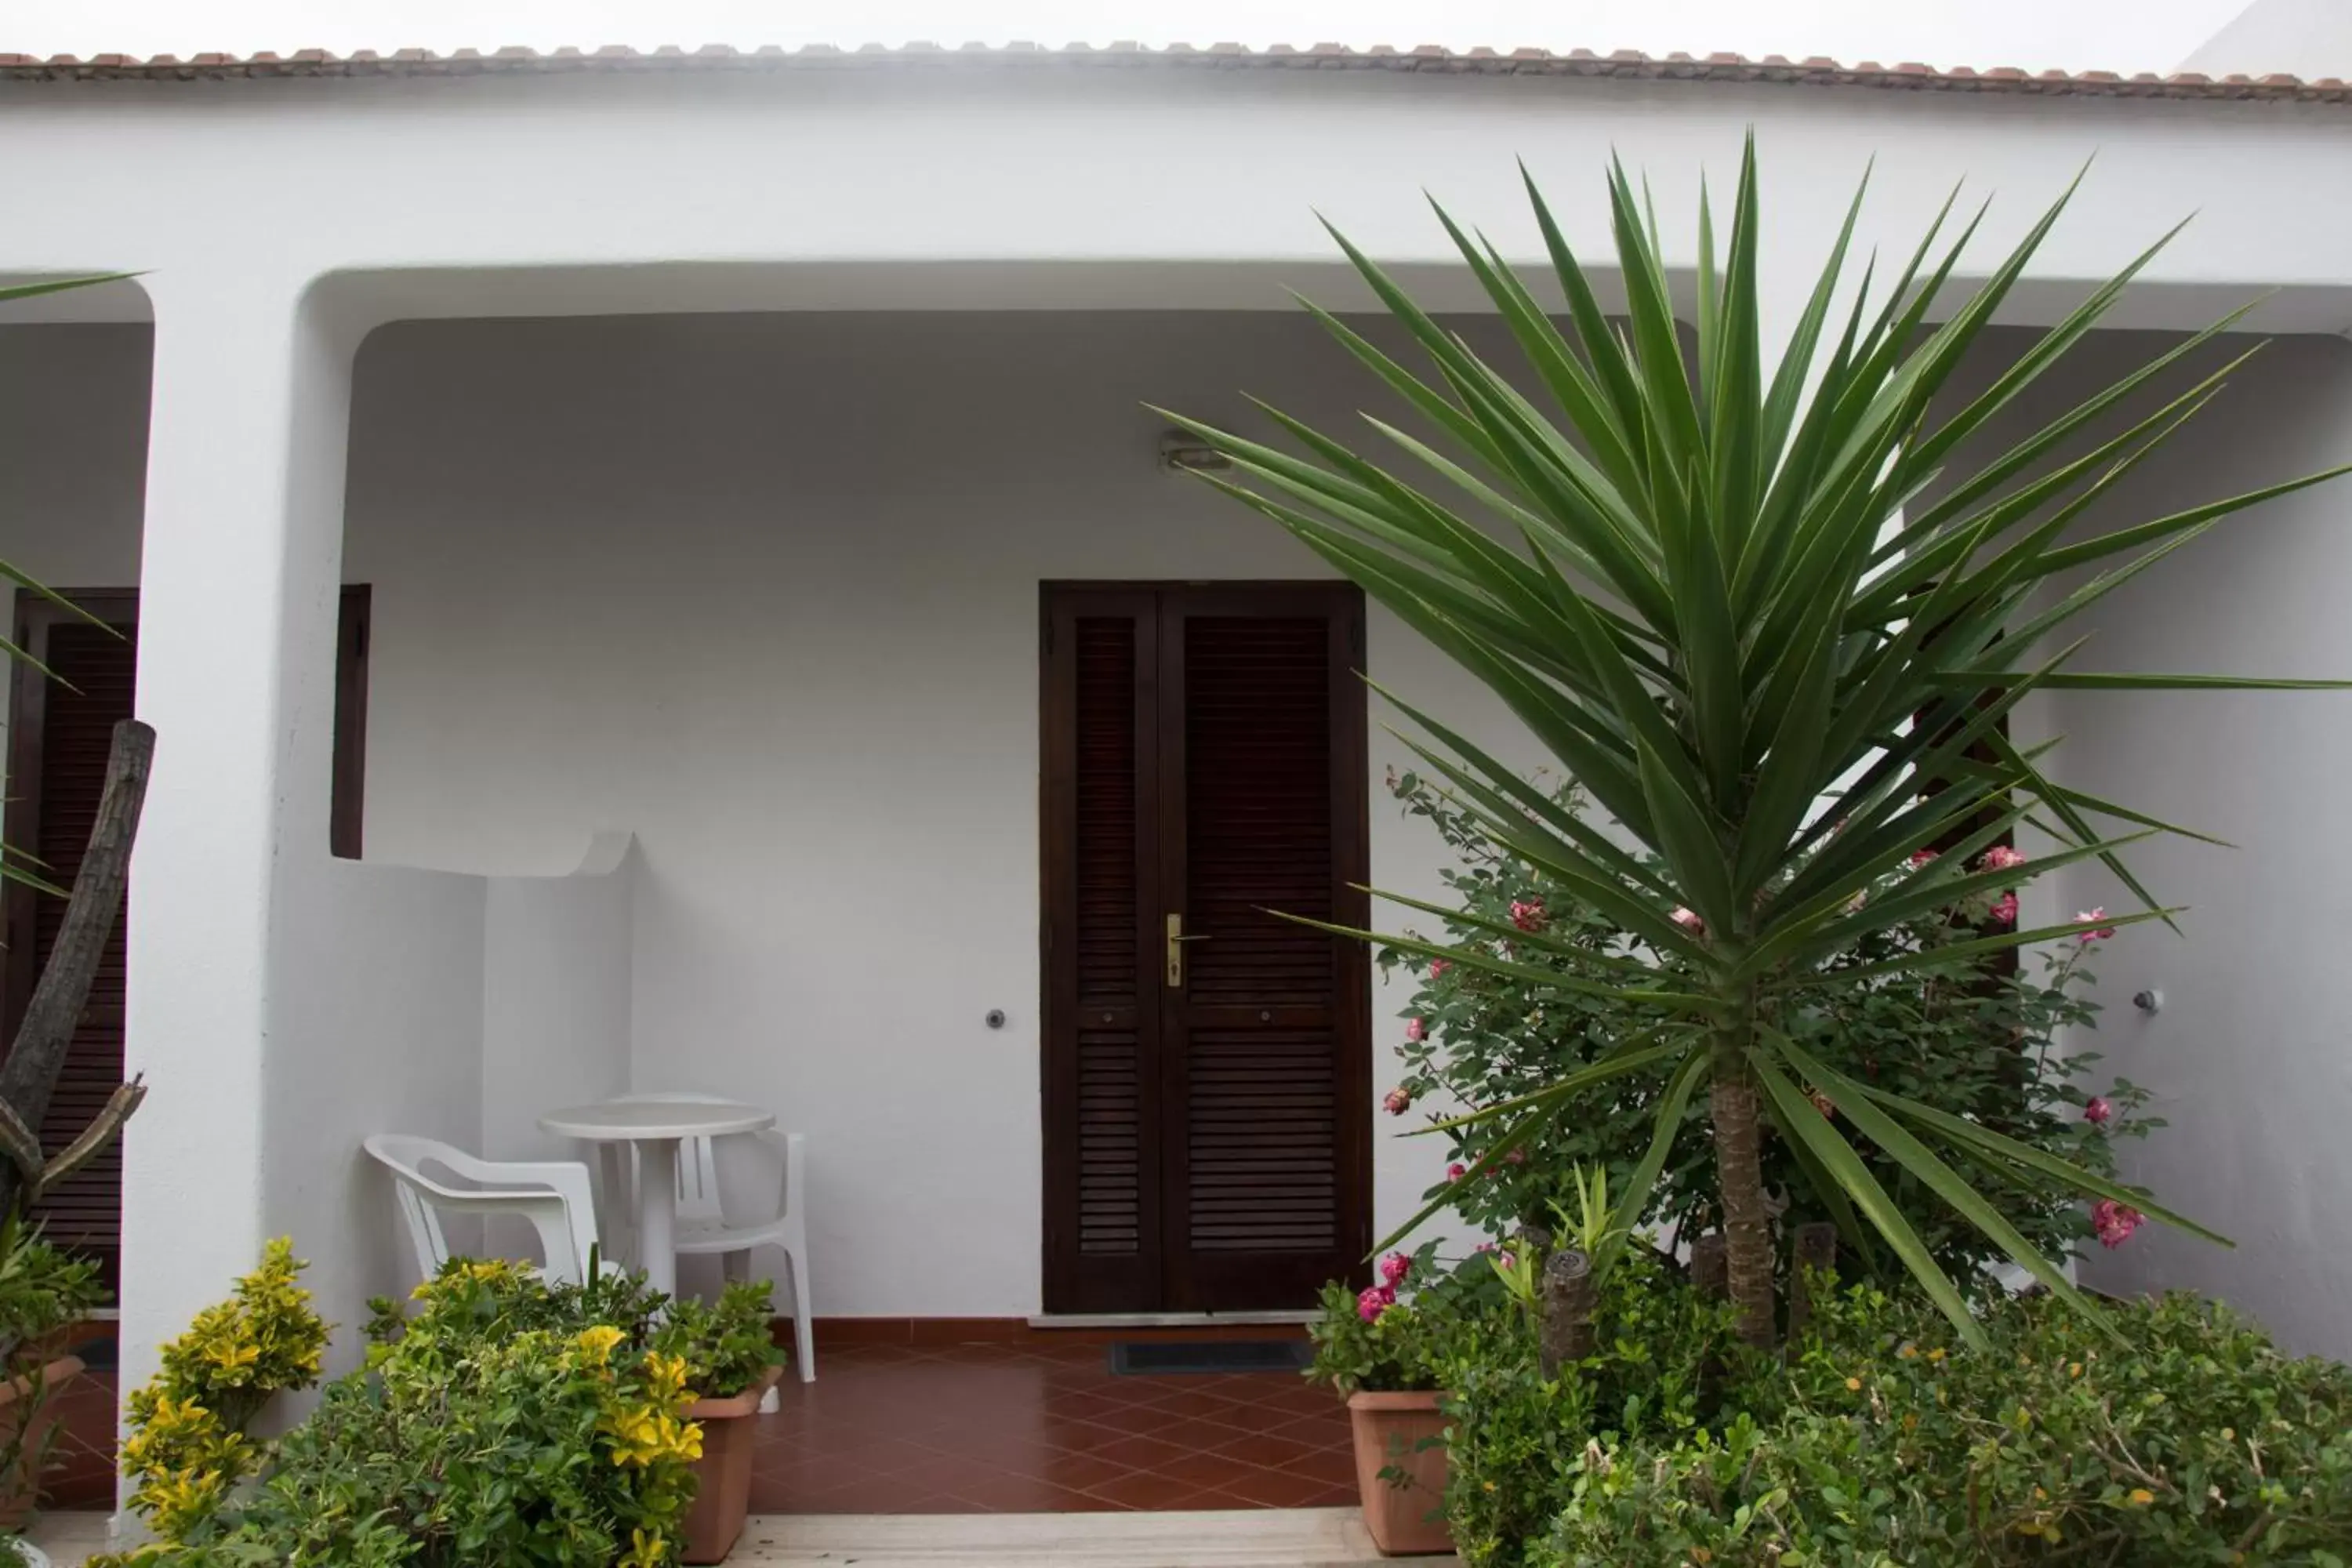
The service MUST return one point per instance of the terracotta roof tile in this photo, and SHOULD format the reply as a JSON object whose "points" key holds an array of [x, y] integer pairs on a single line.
{"points": [[1816, 71]]}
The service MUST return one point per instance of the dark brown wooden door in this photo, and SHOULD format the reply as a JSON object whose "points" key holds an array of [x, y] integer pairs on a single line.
{"points": [[1207, 1064], [59, 733]]}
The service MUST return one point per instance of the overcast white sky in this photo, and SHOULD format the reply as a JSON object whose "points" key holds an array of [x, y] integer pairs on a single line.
{"points": [[2072, 35]]}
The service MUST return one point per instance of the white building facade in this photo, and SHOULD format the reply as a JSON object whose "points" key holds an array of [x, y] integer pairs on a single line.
{"points": [[706, 429]]}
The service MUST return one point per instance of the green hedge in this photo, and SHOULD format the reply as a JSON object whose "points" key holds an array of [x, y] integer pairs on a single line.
{"points": [[2177, 1434]]}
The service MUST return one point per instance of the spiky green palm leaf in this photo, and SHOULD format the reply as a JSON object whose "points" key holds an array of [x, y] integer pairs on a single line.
{"points": [[1725, 602]]}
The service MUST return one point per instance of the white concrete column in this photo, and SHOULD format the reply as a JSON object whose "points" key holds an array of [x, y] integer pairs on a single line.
{"points": [[242, 540]]}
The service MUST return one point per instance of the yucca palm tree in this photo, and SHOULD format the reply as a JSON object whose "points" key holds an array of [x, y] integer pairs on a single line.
{"points": [[1720, 600]]}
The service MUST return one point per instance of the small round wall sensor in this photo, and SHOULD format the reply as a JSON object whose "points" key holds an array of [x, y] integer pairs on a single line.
{"points": [[996, 1018], [2149, 1001]]}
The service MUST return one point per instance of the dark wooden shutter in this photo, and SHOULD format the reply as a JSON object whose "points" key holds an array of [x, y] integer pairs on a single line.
{"points": [[1266, 1070], [1261, 1128], [61, 732], [1110, 1047], [1206, 1140], [1102, 1149]]}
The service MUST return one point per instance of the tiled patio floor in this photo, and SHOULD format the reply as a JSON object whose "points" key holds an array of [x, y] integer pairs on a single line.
{"points": [[1040, 1425], [1035, 1423]]}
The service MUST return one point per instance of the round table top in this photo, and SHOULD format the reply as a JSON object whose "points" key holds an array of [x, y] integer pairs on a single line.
{"points": [[632, 1120]]}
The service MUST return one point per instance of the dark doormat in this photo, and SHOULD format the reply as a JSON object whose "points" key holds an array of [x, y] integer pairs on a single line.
{"points": [[1152, 1358]]}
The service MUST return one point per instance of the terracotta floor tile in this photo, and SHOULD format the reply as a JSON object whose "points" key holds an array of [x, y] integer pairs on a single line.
{"points": [[1057, 1468], [1279, 1489], [1138, 1420], [1333, 1467], [1140, 1453], [1187, 1434], [1329, 1430], [1271, 1453], [1149, 1492], [1204, 1470], [1043, 1426], [1197, 1402], [1021, 1494]]}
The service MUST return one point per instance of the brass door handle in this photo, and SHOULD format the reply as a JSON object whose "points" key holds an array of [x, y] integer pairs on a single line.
{"points": [[1176, 941]]}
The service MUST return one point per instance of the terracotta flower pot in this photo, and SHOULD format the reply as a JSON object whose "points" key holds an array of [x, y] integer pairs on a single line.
{"points": [[1408, 1515], [28, 1433], [722, 1476]]}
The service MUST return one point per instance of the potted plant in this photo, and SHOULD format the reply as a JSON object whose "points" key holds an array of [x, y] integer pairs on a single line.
{"points": [[732, 1361], [1379, 1347], [44, 1293]]}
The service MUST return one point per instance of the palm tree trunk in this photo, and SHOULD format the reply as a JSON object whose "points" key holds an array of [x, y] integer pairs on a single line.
{"points": [[1740, 1177]]}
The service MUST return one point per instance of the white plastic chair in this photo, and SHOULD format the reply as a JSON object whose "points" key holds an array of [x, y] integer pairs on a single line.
{"points": [[702, 1227], [552, 1194]]}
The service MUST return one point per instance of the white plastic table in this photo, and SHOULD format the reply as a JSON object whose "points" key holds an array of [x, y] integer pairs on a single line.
{"points": [[657, 1127]]}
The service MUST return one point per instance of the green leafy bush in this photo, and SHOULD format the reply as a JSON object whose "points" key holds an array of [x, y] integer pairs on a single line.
{"points": [[2184, 1438], [727, 1345], [503, 1421], [1667, 1360], [1960, 1038], [42, 1292]]}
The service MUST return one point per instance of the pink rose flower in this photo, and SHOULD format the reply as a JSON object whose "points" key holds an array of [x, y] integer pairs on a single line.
{"points": [[1375, 1300], [1689, 920], [1516, 1157], [2097, 1110], [1529, 916], [1923, 856], [1397, 1102], [1457, 1171], [2088, 937], [1394, 1268], [1510, 1260], [1416, 1030], [2004, 909], [1486, 1246], [2000, 857], [2115, 1222], [1438, 966]]}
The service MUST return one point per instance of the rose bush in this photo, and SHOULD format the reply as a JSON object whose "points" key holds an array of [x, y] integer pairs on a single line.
{"points": [[1975, 1040]]}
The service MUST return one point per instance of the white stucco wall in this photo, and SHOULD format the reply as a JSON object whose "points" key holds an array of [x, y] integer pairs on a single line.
{"points": [[1149, 187], [766, 590], [555, 996], [2251, 1057], [382, 1034]]}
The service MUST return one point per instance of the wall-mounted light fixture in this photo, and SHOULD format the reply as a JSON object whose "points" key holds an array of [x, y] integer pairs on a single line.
{"points": [[1180, 449]]}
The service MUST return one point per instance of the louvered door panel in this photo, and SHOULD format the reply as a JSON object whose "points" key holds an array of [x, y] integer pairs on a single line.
{"points": [[1102, 1142], [74, 719], [1268, 1061], [1261, 1130], [1110, 1064], [1258, 808]]}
